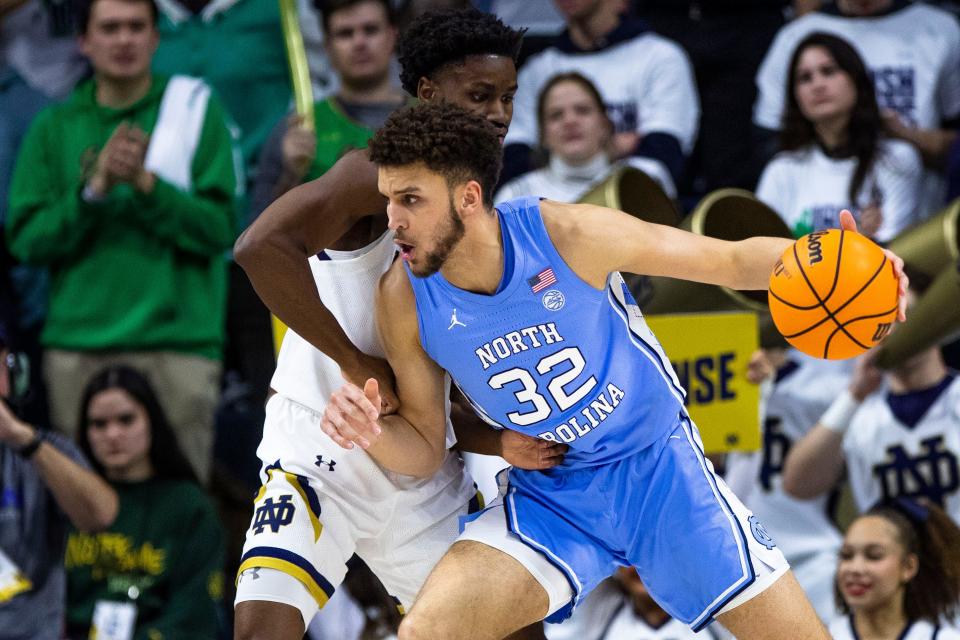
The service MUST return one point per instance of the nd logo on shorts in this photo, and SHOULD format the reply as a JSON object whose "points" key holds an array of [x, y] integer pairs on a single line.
{"points": [[760, 534], [553, 300]]}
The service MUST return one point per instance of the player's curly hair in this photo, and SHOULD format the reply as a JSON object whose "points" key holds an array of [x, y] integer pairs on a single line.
{"points": [[455, 143], [439, 38]]}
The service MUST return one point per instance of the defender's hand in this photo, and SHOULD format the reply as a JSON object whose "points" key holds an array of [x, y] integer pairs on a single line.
{"points": [[526, 452], [377, 368], [847, 223], [351, 415]]}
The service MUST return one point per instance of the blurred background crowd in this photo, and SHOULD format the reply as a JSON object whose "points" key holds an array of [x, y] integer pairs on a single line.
{"points": [[138, 139]]}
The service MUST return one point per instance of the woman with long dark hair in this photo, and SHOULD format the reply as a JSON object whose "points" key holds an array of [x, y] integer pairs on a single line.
{"points": [[833, 154], [157, 572], [898, 575]]}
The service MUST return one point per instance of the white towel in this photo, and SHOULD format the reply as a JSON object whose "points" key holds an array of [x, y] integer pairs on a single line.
{"points": [[176, 135]]}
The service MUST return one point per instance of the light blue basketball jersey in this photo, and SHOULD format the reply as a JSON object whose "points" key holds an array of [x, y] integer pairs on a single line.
{"points": [[547, 354]]}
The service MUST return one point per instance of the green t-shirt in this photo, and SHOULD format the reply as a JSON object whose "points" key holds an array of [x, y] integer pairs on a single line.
{"points": [[166, 549]]}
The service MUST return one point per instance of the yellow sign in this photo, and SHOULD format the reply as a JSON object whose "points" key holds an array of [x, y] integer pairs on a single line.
{"points": [[710, 352]]}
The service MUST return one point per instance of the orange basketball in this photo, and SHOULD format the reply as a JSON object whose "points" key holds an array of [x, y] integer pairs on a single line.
{"points": [[833, 294]]}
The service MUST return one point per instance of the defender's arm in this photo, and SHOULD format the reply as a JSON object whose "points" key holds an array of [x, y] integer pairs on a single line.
{"points": [[274, 251]]}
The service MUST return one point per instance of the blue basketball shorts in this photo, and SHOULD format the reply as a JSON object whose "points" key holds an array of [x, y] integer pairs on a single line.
{"points": [[697, 548]]}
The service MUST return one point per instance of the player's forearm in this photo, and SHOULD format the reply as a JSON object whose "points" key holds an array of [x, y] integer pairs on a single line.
{"points": [[814, 464], [403, 449], [753, 261], [275, 258]]}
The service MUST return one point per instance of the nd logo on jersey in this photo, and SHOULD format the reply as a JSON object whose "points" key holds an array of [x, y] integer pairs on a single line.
{"points": [[274, 514], [933, 473]]}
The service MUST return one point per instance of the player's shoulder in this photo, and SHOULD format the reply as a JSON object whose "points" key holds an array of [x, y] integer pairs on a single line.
{"points": [[563, 219], [349, 188], [394, 286]]}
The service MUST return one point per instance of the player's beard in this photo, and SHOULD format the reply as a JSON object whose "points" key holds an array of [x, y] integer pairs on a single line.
{"points": [[447, 237]]}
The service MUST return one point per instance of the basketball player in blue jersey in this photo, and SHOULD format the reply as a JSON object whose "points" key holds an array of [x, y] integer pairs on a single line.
{"points": [[319, 505], [548, 342]]}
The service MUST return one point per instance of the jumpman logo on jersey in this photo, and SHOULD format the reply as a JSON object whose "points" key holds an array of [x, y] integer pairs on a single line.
{"points": [[454, 322]]}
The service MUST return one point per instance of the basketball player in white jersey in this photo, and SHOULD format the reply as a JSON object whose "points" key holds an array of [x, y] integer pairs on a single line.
{"points": [[796, 393], [319, 503], [898, 434]]}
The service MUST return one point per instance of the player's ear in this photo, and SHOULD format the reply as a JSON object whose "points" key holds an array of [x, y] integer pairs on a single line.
{"points": [[426, 90], [471, 198]]}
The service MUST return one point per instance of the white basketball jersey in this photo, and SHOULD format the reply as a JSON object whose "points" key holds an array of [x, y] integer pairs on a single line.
{"points": [[809, 189], [842, 629], [887, 459], [913, 53], [646, 83], [347, 283], [794, 403]]}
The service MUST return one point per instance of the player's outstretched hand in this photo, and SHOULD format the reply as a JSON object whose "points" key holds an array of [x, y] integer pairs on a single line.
{"points": [[848, 223], [527, 452], [378, 369], [351, 415]]}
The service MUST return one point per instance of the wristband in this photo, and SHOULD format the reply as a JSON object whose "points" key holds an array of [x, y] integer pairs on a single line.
{"points": [[28, 450], [837, 418]]}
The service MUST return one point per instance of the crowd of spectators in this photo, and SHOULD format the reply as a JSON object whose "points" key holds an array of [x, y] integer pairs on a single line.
{"points": [[138, 138]]}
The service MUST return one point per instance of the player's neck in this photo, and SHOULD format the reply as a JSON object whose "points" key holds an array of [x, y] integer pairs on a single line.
{"points": [[588, 30], [921, 373], [882, 623], [476, 263]]}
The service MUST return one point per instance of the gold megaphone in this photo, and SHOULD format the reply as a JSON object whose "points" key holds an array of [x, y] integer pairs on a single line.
{"points": [[727, 214], [633, 191], [931, 248], [932, 320], [931, 245]]}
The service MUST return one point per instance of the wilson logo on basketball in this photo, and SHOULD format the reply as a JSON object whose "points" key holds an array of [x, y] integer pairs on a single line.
{"points": [[779, 269], [814, 248], [883, 328]]}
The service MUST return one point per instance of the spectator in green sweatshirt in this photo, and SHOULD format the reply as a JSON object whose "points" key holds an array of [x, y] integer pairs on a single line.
{"points": [[125, 192]]}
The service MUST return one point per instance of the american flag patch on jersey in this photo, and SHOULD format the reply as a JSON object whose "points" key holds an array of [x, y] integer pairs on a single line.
{"points": [[542, 280]]}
